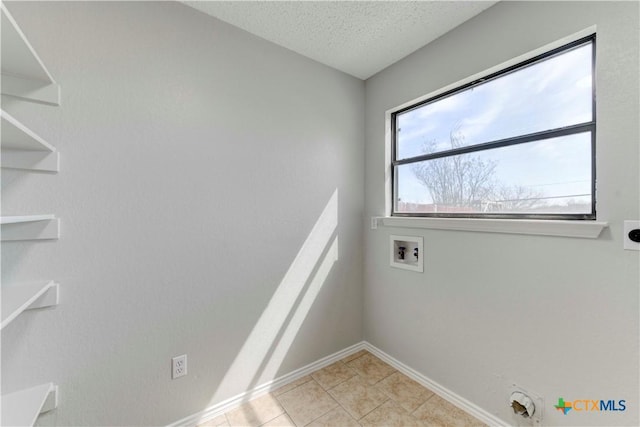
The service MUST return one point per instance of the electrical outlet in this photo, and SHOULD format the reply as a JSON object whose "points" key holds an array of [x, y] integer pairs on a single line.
{"points": [[178, 366], [629, 243]]}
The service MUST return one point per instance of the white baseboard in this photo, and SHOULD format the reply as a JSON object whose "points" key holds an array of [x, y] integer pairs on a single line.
{"points": [[448, 395], [220, 408], [233, 402]]}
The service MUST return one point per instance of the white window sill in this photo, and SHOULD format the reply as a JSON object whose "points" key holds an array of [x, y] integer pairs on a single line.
{"points": [[582, 229]]}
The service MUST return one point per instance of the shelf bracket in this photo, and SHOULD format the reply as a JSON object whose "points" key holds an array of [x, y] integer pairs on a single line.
{"points": [[31, 90], [50, 298], [44, 161], [27, 296], [51, 401], [21, 408]]}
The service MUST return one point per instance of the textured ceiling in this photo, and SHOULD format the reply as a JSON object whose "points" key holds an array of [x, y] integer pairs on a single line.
{"points": [[357, 37]]}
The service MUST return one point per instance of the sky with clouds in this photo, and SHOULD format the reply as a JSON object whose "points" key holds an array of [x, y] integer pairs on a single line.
{"points": [[550, 94]]}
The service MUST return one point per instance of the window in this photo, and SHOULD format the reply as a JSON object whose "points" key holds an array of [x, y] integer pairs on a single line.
{"points": [[518, 143]]}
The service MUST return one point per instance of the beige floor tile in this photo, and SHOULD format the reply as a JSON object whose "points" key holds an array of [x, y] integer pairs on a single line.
{"points": [[307, 402], [371, 368], [285, 388], [355, 356], [281, 421], [438, 412], [358, 397], [219, 421], [336, 418], [390, 414], [255, 412], [404, 391], [333, 375]]}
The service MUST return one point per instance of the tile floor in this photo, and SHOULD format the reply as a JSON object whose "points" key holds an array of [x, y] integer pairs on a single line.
{"points": [[359, 390]]}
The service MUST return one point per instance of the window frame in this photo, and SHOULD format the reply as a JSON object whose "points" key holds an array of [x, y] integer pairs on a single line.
{"points": [[589, 126]]}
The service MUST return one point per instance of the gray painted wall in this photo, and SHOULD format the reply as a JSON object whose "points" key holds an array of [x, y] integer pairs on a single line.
{"points": [[558, 316], [195, 161]]}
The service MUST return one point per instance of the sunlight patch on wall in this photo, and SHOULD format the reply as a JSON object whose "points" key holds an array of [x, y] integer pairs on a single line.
{"points": [[267, 345]]}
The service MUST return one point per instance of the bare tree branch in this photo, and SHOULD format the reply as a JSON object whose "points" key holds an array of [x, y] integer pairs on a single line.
{"points": [[468, 180]]}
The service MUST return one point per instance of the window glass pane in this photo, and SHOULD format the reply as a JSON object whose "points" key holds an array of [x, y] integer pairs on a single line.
{"points": [[546, 95], [551, 176]]}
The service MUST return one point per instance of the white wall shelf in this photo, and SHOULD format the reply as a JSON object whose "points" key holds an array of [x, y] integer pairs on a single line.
{"points": [[30, 227], [24, 218], [23, 149], [25, 78], [22, 408], [24, 75], [26, 296], [16, 136]]}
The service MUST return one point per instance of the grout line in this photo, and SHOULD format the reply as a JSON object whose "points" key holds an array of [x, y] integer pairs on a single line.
{"points": [[299, 385], [317, 418], [279, 415], [331, 397], [356, 358], [385, 401]]}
